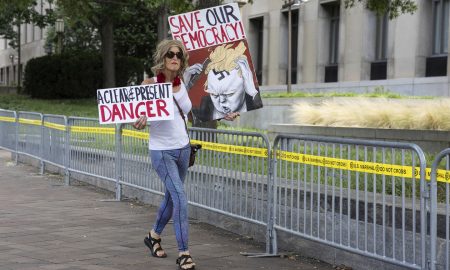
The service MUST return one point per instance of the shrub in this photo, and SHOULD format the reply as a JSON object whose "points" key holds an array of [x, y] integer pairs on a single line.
{"points": [[73, 76]]}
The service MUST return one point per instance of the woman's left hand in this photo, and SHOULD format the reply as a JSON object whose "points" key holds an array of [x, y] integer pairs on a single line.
{"points": [[231, 116]]}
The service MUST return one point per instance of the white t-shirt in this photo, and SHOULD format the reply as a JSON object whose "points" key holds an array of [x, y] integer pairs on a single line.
{"points": [[171, 134]]}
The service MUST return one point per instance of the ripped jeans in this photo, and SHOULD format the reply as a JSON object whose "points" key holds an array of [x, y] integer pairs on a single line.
{"points": [[171, 166]]}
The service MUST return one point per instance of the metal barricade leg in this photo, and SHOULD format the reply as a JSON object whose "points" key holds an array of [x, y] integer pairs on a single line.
{"points": [[118, 161]]}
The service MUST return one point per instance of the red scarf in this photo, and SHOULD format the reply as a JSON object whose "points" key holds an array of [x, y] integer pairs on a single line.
{"points": [[162, 79]]}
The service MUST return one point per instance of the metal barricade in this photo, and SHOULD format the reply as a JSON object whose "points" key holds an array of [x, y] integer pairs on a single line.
{"points": [[8, 127], [230, 175], [29, 135], [54, 139], [440, 212], [136, 165], [92, 148], [366, 197]]}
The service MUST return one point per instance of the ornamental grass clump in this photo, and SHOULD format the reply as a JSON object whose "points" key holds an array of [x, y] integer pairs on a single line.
{"points": [[375, 113]]}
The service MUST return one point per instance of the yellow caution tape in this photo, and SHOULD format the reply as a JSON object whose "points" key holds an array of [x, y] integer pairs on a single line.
{"points": [[55, 126], [241, 150], [7, 119], [135, 134], [336, 163], [30, 122], [441, 175], [95, 130], [361, 166]]}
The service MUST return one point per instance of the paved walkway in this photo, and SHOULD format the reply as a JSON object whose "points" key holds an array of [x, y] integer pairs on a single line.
{"points": [[46, 225]]}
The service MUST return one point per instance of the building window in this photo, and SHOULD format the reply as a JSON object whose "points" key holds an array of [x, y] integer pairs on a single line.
{"points": [[257, 26], [2, 76], [381, 37], [331, 70], [13, 79], [378, 69], [440, 26], [294, 44], [436, 65], [334, 34], [7, 76]]}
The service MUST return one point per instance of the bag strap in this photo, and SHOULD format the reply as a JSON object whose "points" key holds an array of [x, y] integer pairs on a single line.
{"points": [[182, 116]]}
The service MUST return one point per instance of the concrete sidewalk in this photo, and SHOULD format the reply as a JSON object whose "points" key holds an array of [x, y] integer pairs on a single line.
{"points": [[46, 225]]}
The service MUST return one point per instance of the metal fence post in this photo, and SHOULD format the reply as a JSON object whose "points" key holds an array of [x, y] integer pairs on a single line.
{"points": [[424, 197], [433, 208], [16, 158], [41, 147], [271, 245], [118, 161], [66, 152]]}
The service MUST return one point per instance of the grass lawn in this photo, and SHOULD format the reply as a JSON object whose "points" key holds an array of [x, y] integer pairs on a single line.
{"points": [[68, 107]]}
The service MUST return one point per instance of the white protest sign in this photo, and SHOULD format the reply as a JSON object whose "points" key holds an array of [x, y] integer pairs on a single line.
{"points": [[208, 27], [127, 104]]}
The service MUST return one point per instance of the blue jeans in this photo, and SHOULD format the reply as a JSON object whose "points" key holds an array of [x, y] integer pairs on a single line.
{"points": [[171, 166]]}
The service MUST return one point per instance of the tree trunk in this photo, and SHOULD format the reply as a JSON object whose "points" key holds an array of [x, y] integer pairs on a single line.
{"points": [[163, 27], [109, 75], [19, 49]]}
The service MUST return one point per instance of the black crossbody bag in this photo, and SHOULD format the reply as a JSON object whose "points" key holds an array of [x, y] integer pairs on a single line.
{"points": [[194, 147]]}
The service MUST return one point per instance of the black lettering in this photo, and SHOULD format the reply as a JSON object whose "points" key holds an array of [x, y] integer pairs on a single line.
{"points": [[221, 18], [121, 95], [138, 94], [229, 11], [164, 91], [115, 96], [208, 13], [99, 98]]}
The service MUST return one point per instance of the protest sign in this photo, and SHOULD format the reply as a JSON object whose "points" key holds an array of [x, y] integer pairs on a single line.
{"points": [[220, 78], [127, 104]]}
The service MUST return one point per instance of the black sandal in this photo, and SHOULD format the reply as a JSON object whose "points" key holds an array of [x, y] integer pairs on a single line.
{"points": [[150, 242], [183, 260]]}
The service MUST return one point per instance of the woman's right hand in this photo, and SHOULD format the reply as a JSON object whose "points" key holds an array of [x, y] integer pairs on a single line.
{"points": [[141, 123]]}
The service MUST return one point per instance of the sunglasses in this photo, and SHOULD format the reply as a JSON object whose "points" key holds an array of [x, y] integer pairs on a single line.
{"points": [[171, 54]]}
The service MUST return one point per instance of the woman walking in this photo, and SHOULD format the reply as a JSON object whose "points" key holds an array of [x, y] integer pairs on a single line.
{"points": [[170, 150]]}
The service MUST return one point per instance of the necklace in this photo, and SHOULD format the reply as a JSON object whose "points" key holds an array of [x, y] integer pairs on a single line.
{"points": [[161, 78]]}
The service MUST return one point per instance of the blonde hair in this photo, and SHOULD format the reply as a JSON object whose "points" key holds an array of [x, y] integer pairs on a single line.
{"points": [[160, 53], [224, 58]]}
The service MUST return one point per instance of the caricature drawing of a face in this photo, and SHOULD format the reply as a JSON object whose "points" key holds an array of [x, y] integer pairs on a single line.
{"points": [[229, 78], [226, 90]]}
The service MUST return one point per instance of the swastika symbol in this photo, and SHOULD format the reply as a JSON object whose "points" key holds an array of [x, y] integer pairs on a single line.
{"points": [[222, 76]]}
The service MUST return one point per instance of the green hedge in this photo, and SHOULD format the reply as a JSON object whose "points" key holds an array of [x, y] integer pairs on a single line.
{"points": [[75, 76]]}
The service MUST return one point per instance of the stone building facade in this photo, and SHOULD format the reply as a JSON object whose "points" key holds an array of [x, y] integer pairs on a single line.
{"points": [[339, 49], [32, 45], [333, 48]]}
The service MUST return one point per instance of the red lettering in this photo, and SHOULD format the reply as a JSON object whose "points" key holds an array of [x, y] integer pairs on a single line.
{"points": [[174, 26], [213, 41], [242, 29], [185, 42], [225, 34], [125, 111], [115, 113], [161, 107], [197, 20], [193, 36], [190, 21], [182, 25], [185, 23], [216, 35], [136, 110], [149, 107], [105, 117]]}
